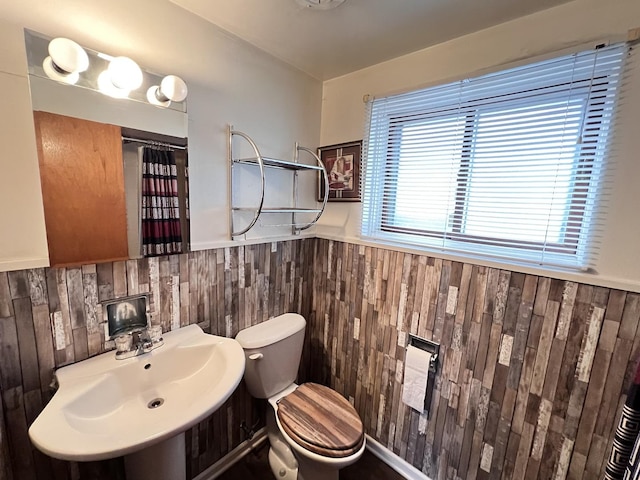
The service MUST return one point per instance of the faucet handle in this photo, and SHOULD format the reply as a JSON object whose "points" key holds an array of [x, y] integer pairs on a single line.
{"points": [[143, 338], [124, 343], [155, 332]]}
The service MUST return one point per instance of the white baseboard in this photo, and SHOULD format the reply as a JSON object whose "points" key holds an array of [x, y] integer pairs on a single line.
{"points": [[401, 466], [233, 457]]}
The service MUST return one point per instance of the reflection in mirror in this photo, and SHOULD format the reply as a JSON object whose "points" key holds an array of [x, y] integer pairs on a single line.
{"points": [[156, 190], [92, 149], [126, 314]]}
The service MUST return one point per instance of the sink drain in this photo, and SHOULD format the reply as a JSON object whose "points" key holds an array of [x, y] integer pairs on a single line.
{"points": [[155, 403]]}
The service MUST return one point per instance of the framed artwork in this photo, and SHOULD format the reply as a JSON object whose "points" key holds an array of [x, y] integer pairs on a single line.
{"points": [[342, 163]]}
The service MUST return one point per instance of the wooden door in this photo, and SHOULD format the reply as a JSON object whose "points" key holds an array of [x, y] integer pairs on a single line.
{"points": [[82, 188]]}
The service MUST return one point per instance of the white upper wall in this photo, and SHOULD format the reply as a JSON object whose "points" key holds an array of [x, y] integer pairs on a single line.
{"points": [[23, 241], [574, 23], [230, 82]]}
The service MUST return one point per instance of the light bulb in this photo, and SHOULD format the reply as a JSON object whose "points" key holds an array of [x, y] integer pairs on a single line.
{"points": [[172, 89], [107, 87], [65, 61], [125, 74]]}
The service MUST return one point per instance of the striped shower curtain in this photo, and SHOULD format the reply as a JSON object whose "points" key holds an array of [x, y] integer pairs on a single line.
{"points": [[161, 229], [624, 461]]}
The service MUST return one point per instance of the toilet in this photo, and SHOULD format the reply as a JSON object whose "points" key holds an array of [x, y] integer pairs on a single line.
{"points": [[313, 430]]}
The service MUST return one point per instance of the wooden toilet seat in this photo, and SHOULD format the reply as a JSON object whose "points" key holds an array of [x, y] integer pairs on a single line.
{"points": [[321, 420]]}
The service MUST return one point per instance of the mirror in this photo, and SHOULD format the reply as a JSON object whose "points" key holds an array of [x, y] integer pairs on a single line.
{"points": [[110, 167]]}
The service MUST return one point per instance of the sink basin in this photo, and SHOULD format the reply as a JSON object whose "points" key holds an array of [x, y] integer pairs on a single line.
{"points": [[106, 408]]}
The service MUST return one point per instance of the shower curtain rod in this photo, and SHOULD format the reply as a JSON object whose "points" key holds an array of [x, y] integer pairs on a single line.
{"points": [[153, 142]]}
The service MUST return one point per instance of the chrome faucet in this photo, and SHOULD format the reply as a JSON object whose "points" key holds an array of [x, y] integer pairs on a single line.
{"points": [[136, 342], [141, 341]]}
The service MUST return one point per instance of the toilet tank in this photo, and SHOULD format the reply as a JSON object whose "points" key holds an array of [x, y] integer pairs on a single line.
{"points": [[272, 350]]}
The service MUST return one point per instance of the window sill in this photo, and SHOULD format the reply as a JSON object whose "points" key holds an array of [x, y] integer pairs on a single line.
{"points": [[590, 277]]}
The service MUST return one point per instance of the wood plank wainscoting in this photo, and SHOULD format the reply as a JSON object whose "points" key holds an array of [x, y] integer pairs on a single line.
{"points": [[533, 377], [534, 372], [52, 317]]}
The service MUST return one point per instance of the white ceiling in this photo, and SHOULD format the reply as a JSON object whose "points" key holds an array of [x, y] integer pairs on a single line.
{"points": [[358, 33]]}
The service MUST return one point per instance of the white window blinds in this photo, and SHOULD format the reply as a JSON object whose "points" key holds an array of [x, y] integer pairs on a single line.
{"points": [[508, 165]]}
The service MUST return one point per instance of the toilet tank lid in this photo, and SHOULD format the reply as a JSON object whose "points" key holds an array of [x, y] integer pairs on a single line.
{"points": [[271, 331]]}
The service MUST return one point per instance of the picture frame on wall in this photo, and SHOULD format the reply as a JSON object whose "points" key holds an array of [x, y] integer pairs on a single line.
{"points": [[342, 163]]}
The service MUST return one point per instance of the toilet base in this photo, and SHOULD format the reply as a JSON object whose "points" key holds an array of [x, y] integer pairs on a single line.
{"points": [[280, 469], [281, 460]]}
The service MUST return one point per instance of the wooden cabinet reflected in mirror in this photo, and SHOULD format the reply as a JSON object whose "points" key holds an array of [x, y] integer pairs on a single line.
{"points": [[81, 172], [105, 200]]}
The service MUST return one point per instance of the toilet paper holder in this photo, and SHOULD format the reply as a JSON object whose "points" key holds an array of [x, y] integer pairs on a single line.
{"points": [[434, 349], [428, 346]]}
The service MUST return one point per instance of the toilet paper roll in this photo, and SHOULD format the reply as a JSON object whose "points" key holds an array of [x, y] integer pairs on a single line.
{"points": [[416, 374]]}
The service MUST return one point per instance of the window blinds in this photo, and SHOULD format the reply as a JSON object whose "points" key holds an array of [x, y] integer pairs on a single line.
{"points": [[508, 165]]}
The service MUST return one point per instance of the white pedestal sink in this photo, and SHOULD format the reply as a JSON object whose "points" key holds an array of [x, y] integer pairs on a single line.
{"points": [[162, 461], [141, 406]]}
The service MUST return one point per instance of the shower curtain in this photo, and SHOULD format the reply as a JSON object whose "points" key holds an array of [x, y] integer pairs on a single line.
{"points": [[161, 230], [623, 460]]}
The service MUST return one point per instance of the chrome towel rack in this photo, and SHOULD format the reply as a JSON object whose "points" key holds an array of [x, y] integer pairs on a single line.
{"points": [[263, 162]]}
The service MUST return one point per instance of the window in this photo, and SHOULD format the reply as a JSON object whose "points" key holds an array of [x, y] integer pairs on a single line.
{"points": [[507, 165]]}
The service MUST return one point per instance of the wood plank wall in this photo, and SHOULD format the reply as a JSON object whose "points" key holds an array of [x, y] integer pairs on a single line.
{"points": [[53, 317], [534, 369], [534, 374]]}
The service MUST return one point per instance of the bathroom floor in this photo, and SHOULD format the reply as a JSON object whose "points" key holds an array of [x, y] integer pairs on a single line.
{"points": [[255, 466]]}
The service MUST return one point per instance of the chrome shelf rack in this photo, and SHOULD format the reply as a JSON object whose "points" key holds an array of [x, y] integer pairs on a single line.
{"points": [[262, 162]]}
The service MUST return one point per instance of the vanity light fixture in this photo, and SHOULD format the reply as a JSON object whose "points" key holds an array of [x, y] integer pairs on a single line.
{"points": [[171, 89], [65, 61]]}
